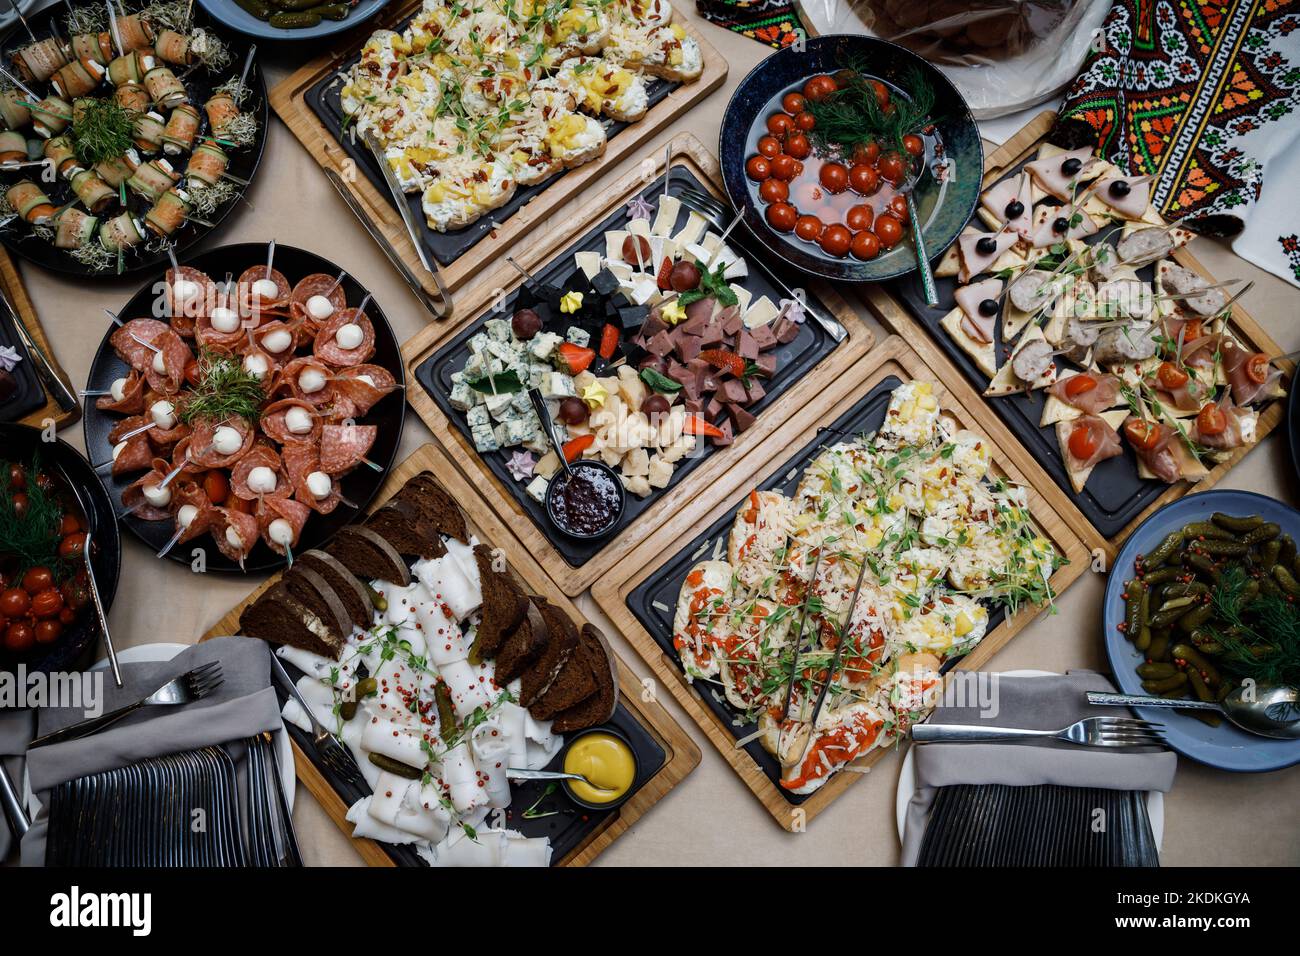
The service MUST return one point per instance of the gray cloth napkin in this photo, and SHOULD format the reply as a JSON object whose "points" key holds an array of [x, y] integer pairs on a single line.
{"points": [[1033, 703], [244, 705], [15, 730]]}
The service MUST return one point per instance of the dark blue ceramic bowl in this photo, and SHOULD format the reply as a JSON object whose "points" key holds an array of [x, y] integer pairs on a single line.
{"points": [[237, 18], [944, 208]]}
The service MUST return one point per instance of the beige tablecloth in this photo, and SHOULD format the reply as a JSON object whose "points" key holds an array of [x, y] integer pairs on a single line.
{"points": [[1212, 818]]}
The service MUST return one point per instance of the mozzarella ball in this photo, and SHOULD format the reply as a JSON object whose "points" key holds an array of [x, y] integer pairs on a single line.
{"points": [[159, 364], [233, 538], [277, 341], [118, 389], [224, 320], [319, 484], [298, 420], [117, 449], [261, 480], [186, 515], [319, 307], [158, 497], [311, 380], [227, 440], [185, 291], [163, 413], [265, 289], [281, 532], [349, 335], [256, 366], [368, 380]]}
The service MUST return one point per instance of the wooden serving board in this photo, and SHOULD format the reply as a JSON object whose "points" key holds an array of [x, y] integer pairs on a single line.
{"points": [[891, 357], [897, 318], [16, 292], [681, 755], [288, 99], [688, 153]]}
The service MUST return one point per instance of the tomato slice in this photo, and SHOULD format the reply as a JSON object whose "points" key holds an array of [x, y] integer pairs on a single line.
{"points": [[1171, 376], [1257, 368], [1193, 330], [1078, 385], [1211, 420], [1083, 443], [1141, 433]]}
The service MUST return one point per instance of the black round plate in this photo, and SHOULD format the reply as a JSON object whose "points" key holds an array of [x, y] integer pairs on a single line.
{"points": [[360, 486], [944, 209], [18, 236], [70, 651]]}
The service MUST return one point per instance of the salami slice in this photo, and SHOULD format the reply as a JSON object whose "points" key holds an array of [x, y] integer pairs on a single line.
{"points": [[313, 285], [339, 411], [329, 349], [132, 341], [132, 401], [133, 496], [274, 425], [176, 356], [277, 332], [342, 447], [212, 338], [245, 531], [273, 510], [300, 460], [365, 385], [181, 457], [203, 454], [259, 456], [136, 455], [250, 303], [191, 493], [132, 422], [291, 381], [188, 293]]}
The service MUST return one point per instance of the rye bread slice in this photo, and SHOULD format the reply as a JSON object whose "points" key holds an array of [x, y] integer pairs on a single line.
{"points": [[369, 556], [504, 607], [522, 647], [439, 508], [403, 525], [280, 618], [537, 679], [319, 597], [575, 682], [600, 706], [351, 592]]}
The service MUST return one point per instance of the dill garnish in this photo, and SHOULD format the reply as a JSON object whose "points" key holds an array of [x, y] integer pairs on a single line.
{"points": [[852, 115], [1260, 636], [32, 540], [101, 131], [224, 391]]}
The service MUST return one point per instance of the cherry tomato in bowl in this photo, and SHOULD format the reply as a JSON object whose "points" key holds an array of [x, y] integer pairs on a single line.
{"points": [[758, 168], [793, 103], [781, 216], [819, 88], [865, 245], [836, 239], [888, 230], [774, 190], [809, 228], [834, 177]]}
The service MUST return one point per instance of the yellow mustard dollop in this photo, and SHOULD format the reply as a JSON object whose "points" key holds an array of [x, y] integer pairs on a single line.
{"points": [[606, 761]]}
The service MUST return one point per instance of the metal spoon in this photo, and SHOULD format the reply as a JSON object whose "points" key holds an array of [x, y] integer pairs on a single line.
{"points": [[1268, 710], [907, 189], [548, 425], [513, 773]]}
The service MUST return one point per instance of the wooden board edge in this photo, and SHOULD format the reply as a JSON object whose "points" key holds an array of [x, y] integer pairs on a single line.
{"points": [[681, 754], [288, 100], [611, 591]]}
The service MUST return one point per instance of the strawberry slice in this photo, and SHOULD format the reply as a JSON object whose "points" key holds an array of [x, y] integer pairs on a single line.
{"points": [[664, 279], [576, 358], [608, 341]]}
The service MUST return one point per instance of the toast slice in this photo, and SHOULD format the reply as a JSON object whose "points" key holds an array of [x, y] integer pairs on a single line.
{"points": [[599, 706], [369, 556], [353, 594], [538, 678], [504, 607], [523, 647]]}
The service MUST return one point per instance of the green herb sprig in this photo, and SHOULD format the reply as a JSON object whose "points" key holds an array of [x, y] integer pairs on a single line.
{"points": [[101, 131], [225, 390], [852, 115]]}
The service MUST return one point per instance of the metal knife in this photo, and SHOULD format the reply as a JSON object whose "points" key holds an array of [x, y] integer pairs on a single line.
{"points": [[62, 392], [440, 308]]}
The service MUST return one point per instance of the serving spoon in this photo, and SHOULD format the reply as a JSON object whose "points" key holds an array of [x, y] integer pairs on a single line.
{"points": [[513, 773], [1272, 710], [908, 190]]}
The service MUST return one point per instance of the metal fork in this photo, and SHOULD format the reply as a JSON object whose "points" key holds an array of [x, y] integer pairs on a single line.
{"points": [[186, 689], [332, 753], [1088, 732], [720, 217]]}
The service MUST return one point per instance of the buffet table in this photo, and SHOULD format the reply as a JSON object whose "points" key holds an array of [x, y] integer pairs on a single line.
{"points": [[711, 819]]}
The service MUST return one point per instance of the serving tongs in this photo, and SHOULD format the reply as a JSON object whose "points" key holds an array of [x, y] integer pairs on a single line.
{"points": [[439, 306], [62, 392]]}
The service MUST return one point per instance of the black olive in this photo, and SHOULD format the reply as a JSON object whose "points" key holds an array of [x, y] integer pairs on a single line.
{"points": [[1015, 209], [1061, 225], [988, 307], [1071, 166], [986, 246], [1120, 188]]}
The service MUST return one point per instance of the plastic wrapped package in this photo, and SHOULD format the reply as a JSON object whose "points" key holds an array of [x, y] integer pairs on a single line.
{"points": [[1002, 55]]}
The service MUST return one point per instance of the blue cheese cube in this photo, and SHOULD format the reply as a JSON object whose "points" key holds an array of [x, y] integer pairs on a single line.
{"points": [[558, 385], [477, 416], [485, 439], [537, 489], [521, 404], [498, 329], [498, 405], [536, 373], [475, 365], [462, 396], [579, 337], [516, 431], [478, 342], [543, 345]]}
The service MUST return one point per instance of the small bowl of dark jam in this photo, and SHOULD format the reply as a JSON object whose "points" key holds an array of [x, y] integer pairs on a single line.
{"points": [[588, 502]]}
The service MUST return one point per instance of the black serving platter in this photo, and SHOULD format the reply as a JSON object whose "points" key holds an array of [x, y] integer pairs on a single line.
{"points": [[19, 238], [74, 650], [566, 823], [434, 374], [1114, 494], [653, 601], [360, 486], [30, 394], [445, 247]]}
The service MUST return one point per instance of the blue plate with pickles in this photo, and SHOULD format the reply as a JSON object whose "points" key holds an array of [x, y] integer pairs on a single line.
{"points": [[1202, 596]]}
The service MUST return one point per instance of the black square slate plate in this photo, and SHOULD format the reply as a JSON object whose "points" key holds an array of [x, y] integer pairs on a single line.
{"points": [[445, 247], [653, 601], [434, 374], [30, 394], [1114, 494]]}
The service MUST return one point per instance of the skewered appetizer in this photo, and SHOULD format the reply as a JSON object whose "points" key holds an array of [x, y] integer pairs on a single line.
{"points": [[133, 153], [242, 411], [650, 347], [468, 105], [913, 515], [1156, 362]]}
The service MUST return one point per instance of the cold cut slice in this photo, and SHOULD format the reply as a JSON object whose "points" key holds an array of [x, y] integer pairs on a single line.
{"points": [[342, 447], [330, 345], [271, 511], [300, 461], [364, 385]]}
